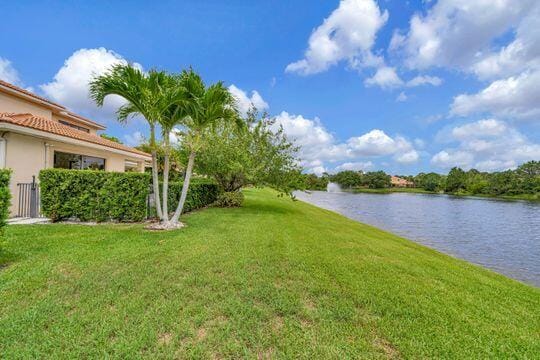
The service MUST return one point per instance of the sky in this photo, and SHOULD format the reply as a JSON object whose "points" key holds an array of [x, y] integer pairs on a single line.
{"points": [[400, 86]]}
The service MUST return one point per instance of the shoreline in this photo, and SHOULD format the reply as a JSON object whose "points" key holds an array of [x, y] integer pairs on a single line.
{"points": [[524, 197], [422, 243]]}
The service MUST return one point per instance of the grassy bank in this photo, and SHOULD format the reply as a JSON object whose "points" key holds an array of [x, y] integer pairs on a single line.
{"points": [[528, 197], [275, 278]]}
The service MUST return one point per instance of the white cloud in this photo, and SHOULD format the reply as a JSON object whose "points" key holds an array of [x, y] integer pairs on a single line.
{"points": [[385, 77], [448, 159], [319, 146], [348, 34], [401, 97], [408, 157], [8, 72], [134, 139], [519, 55], [486, 145], [373, 143], [424, 80], [454, 33], [377, 143], [481, 128], [355, 166], [512, 97], [245, 102], [70, 84]]}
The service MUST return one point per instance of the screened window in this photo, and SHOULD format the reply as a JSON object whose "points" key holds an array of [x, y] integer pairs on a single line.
{"points": [[73, 161]]}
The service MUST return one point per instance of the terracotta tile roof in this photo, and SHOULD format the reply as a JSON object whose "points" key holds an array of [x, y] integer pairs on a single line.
{"points": [[54, 127], [64, 109], [26, 92]]}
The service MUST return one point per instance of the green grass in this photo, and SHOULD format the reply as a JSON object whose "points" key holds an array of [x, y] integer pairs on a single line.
{"points": [[274, 279]]}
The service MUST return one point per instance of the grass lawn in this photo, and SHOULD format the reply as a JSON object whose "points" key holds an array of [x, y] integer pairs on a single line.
{"points": [[274, 279]]}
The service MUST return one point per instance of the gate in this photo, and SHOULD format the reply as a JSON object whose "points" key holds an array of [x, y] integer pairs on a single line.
{"points": [[29, 203]]}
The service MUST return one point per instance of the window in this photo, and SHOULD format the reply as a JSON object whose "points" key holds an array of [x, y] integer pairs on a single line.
{"points": [[73, 161], [131, 166], [74, 126]]}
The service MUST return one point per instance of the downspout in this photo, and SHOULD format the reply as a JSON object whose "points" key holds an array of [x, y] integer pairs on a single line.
{"points": [[46, 162], [3, 148]]}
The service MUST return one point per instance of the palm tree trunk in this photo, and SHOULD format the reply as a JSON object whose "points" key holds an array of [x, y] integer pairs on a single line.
{"points": [[185, 188], [155, 179], [165, 192]]}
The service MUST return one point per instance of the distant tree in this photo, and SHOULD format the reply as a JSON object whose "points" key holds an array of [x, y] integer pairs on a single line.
{"points": [[476, 182], [529, 177], [501, 183], [111, 138], [347, 178], [314, 182], [377, 180], [429, 182], [456, 180]]}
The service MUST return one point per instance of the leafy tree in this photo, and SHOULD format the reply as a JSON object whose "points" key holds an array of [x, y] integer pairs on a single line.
{"points": [[476, 182], [377, 179], [348, 178], [252, 153], [529, 177], [430, 181], [455, 181], [314, 182]]}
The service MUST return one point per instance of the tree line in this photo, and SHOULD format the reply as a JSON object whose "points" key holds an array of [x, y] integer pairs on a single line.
{"points": [[524, 180]]}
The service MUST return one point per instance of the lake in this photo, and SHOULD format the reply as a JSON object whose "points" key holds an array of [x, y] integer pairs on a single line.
{"points": [[503, 236]]}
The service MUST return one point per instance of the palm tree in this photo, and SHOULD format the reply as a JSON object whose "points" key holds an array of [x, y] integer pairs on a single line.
{"points": [[205, 108], [147, 94]]}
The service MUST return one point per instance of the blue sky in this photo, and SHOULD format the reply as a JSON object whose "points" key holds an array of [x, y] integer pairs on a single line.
{"points": [[404, 86]]}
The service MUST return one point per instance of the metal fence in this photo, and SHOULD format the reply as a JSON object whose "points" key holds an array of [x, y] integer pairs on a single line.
{"points": [[29, 201]]}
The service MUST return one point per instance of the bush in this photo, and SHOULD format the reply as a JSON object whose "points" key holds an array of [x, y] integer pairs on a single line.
{"points": [[93, 195], [230, 199], [201, 193], [107, 196], [5, 197]]}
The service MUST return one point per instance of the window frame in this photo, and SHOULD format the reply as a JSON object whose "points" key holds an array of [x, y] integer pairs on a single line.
{"points": [[81, 160]]}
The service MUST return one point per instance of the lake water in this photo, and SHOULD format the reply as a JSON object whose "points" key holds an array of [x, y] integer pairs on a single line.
{"points": [[500, 235]]}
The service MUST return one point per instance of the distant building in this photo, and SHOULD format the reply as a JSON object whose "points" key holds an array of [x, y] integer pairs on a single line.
{"points": [[400, 182]]}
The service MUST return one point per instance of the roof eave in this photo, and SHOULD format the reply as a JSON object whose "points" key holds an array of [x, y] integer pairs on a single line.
{"points": [[65, 139]]}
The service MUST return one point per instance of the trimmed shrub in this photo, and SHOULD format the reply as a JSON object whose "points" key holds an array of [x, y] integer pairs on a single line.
{"points": [[201, 193], [230, 199], [5, 196], [107, 196], [93, 195]]}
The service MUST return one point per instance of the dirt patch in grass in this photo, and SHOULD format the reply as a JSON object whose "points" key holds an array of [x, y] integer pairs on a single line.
{"points": [[164, 339]]}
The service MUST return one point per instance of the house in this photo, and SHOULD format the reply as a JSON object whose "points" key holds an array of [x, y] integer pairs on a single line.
{"points": [[36, 133], [400, 182]]}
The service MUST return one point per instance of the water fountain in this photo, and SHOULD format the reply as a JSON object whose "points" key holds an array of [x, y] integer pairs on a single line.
{"points": [[333, 188]]}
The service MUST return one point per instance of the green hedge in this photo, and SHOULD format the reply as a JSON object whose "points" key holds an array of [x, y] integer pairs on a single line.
{"points": [[93, 195], [5, 196], [104, 196], [201, 193]]}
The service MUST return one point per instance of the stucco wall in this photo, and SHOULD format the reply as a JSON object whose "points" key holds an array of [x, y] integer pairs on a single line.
{"points": [[27, 155], [13, 104]]}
